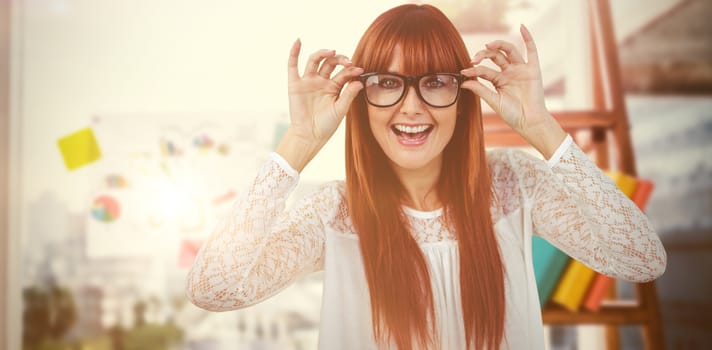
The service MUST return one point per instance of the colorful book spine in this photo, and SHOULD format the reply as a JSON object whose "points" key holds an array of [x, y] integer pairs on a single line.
{"points": [[626, 183], [642, 193], [549, 263], [597, 292], [573, 286]]}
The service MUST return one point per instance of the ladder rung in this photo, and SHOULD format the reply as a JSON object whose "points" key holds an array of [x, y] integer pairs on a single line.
{"points": [[621, 313], [569, 120]]}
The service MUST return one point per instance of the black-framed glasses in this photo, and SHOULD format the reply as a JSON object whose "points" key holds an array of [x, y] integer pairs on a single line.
{"points": [[435, 89]]}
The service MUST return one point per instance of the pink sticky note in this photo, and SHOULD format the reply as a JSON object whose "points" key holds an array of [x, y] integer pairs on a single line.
{"points": [[188, 251]]}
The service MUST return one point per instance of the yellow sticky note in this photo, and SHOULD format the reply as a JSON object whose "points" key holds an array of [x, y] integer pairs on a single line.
{"points": [[79, 148]]}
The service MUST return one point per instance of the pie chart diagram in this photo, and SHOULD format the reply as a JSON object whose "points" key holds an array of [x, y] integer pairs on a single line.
{"points": [[105, 209]]}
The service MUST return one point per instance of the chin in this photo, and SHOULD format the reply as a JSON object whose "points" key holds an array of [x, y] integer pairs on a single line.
{"points": [[415, 162]]}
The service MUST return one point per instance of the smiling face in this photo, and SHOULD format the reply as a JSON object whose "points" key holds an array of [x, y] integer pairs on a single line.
{"points": [[412, 134]]}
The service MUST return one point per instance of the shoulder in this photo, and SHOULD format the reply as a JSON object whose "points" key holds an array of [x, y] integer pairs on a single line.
{"points": [[336, 188], [327, 193], [339, 219], [329, 200], [513, 173], [510, 159], [510, 166]]}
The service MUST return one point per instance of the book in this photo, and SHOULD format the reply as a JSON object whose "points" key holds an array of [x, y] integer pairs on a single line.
{"points": [[595, 295], [573, 286], [626, 183], [549, 263], [642, 193]]}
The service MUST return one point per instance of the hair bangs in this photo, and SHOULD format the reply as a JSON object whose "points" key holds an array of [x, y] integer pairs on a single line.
{"points": [[426, 41], [426, 48]]}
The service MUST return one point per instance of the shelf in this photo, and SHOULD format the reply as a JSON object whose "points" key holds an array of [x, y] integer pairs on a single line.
{"points": [[570, 120], [621, 313]]}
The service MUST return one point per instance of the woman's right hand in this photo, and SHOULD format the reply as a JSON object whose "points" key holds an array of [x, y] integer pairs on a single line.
{"points": [[317, 103]]}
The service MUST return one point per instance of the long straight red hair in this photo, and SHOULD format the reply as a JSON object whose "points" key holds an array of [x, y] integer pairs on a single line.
{"points": [[398, 279]]}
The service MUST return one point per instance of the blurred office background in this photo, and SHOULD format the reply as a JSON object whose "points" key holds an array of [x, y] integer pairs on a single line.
{"points": [[186, 98]]}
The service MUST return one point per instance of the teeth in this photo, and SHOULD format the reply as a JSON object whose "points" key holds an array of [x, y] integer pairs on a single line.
{"points": [[411, 129]]}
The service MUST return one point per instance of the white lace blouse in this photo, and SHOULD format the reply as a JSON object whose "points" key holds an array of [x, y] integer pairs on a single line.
{"points": [[260, 248]]}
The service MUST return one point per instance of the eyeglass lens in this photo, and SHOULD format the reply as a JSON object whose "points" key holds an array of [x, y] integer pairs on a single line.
{"points": [[437, 90]]}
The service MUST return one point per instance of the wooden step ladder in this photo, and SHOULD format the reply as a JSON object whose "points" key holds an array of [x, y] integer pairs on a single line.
{"points": [[603, 133]]}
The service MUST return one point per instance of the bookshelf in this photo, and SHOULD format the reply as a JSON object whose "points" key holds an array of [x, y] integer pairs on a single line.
{"points": [[603, 132]]}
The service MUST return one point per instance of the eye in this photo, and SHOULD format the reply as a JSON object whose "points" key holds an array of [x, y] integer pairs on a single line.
{"points": [[433, 82], [389, 83]]}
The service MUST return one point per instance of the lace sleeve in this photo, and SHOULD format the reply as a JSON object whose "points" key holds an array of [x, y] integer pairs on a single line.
{"points": [[580, 210], [259, 249]]}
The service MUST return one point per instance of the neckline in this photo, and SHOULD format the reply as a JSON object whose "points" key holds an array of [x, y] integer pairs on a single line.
{"points": [[423, 214]]}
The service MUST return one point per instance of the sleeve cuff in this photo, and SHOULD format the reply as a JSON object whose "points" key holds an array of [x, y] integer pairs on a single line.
{"points": [[283, 164], [556, 157]]}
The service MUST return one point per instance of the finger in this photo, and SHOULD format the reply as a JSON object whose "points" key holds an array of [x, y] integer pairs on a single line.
{"points": [[495, 56], [532, 55], [330, 64], [347, 74], [292, 63], [481, 72], [315, 60], [484, 92], [347, 96], [508, 48]]}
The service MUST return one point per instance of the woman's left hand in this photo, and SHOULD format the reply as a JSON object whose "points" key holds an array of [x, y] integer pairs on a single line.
{"points": [[519, 95]]}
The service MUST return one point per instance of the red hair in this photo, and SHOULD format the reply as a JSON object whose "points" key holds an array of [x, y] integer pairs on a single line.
{"points": [[396, 270]]}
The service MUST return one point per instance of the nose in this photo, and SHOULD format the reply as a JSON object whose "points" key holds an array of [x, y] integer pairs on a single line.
{"points": [[411, 102]]}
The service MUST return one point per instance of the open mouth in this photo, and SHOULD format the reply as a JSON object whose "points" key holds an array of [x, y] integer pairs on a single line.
{"points": [[412, 134]]}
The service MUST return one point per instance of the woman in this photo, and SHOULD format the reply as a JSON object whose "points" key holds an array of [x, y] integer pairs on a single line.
{"points": [[427, 244]]}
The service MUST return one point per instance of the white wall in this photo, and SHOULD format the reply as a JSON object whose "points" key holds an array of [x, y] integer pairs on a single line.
{"points": [[74, 59], [86, 57]]}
